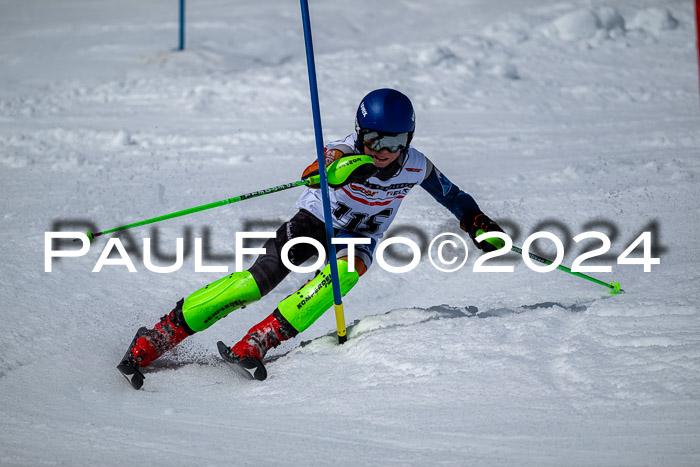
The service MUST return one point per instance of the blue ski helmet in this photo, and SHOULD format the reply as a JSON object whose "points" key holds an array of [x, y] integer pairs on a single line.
{"points": [[387, 112]]}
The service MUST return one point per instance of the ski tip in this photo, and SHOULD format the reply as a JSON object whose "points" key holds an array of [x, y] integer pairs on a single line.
{"points": [[132, 374], [246, 367]]}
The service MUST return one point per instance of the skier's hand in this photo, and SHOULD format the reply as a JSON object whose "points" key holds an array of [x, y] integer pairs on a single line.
{"points": [[359, 169], [474, 220], [343, 172]]}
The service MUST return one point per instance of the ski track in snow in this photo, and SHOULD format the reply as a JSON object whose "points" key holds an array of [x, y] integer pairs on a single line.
{"points": [[581, 112]]}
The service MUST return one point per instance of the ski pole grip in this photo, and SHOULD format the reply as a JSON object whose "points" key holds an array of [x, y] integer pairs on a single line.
{"points": [[91, 236], [313, 180], [496, 242]]}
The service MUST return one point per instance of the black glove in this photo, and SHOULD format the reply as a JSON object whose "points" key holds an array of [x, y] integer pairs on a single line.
{"points": [[474, 220]]}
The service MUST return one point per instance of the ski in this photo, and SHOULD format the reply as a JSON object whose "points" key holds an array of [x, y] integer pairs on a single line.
{"points": [[132, 374], [128, 368], [246, 367]]}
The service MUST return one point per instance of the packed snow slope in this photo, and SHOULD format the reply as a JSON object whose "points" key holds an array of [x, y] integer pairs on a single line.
{"points": [[558, 116]]}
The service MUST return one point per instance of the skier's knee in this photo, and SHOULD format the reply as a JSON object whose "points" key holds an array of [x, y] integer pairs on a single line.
{"points": [[216, 300], [358, 263], [307, 304]]}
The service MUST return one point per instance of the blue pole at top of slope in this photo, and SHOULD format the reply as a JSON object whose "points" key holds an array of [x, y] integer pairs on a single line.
{"points": [[182, 25], [328, 219]]}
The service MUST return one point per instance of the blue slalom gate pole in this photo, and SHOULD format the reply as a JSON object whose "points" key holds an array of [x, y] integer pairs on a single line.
{"points": [[328, 219], [182, 25]]}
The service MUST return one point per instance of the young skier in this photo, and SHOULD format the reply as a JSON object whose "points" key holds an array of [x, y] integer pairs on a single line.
{"points": [[363, 208]]}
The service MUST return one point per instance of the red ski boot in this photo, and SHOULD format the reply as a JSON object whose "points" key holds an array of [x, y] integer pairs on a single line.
{"points": [[149, 344], [246, 356]]}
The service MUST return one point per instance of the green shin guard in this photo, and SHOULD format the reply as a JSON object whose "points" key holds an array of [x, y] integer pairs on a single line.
{"points": [[307, 304], [213, 302]]}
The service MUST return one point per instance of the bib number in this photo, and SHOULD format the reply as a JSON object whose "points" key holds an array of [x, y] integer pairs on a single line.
{"points": [[360, 221]]}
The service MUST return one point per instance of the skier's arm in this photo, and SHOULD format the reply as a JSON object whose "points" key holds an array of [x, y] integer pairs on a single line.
{"points": [[447, 193], [461, 204]]}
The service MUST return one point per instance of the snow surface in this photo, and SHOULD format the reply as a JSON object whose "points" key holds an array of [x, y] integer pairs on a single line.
{"points": [[577, 111]]}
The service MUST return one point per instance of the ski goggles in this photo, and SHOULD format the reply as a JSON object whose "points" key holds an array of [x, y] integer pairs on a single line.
{"points": [[376, 141]]}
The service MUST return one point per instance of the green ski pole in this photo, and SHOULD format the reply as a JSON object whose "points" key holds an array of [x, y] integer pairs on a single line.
{"points": [[338, 174], [613, 287]]}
